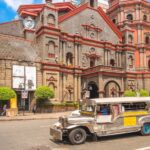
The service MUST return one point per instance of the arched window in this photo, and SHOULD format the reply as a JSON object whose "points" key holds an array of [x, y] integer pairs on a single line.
{"points": [[130, 17], [114, 21], [51, 19], [130, 61], [92, 62], [147, 40], [130, 39], [112, 62], [69, 59], [144, 17], [149, 64], [52, 85], [92, 3], [51, 49], [123, 39]]}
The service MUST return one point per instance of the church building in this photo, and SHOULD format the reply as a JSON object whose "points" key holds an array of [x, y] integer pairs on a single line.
{"points": [[78, 50]]}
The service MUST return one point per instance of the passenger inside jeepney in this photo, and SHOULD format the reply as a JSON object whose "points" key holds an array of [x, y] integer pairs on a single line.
{"points": [[103, 110]]}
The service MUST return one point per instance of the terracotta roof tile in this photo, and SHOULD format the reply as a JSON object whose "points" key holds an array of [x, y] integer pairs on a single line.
{"points": [[17, 49]]}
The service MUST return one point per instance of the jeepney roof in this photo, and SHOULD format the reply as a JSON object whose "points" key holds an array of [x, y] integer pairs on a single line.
{"points": [[118, 100]]}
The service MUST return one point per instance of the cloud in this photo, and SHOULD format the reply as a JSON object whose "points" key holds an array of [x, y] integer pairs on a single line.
{"points": [[14, 4]]}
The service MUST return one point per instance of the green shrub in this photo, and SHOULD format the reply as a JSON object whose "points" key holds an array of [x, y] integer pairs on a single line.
{"points": [[62, 104], [44, 93], [6, 93], [143, 93], [129, 93]]}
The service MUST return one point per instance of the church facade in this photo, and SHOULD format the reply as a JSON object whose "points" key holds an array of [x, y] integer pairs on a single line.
{"points": [[77, 50]]}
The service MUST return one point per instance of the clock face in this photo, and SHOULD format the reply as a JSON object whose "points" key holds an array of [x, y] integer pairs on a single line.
{"points": [[29, 23]]}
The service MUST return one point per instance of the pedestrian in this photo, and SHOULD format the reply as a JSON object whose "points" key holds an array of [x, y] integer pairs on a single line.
{"points": [[4, 110], [34, 109]]}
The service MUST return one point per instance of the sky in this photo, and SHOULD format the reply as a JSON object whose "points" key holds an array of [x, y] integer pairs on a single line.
{"points": [[8, 8]]}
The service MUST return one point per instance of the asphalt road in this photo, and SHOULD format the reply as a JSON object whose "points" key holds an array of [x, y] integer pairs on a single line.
{"points": [[34, 135]]}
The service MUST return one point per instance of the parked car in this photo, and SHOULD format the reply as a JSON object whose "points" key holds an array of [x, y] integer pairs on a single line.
{"points": [[103, 117]]}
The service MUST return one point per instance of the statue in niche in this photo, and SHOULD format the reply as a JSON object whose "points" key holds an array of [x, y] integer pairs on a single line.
{"points": [[84, 61]]}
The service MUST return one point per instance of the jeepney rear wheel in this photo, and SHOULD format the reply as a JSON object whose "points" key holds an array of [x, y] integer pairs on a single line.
{"points": [[145, 129], [77, 136]]}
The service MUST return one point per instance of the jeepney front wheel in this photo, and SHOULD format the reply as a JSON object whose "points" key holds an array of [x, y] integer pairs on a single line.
{"points": [[145, 129], [77, 136]]}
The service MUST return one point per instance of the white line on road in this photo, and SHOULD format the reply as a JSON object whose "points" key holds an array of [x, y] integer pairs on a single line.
{"points": [[144, 148]]}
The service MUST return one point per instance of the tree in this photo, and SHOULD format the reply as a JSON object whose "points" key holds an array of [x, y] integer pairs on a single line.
{"points": [[6, 93], [44, 93], [129, 93], [143, 93]]}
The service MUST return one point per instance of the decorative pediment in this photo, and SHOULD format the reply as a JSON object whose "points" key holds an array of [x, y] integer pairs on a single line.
{"points": [[91, 27], [92, 54], [52, 79], [69, 88]]}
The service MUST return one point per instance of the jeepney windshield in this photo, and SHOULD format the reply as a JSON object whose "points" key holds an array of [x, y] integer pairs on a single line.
{"points": [[87, 108]]}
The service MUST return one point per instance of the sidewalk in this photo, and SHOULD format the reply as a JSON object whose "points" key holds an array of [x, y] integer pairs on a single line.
{"points": [[31, 116]]}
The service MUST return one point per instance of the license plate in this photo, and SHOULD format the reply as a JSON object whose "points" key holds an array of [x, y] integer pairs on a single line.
{"points": [[56, 134]]}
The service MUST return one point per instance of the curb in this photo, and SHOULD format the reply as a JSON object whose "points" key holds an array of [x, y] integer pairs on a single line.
{"points": [[24, 118]]}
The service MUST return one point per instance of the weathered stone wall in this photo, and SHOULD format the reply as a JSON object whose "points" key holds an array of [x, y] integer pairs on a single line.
{"points": [[74, 24]]}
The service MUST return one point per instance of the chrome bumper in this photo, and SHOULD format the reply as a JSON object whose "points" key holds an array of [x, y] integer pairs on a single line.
{"points": [[56, 134]]}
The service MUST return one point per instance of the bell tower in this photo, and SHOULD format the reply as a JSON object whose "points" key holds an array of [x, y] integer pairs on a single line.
{"points": [[92, 3]]}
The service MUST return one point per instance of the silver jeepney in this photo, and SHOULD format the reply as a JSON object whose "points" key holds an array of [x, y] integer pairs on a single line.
{"points": [[104, 117]]}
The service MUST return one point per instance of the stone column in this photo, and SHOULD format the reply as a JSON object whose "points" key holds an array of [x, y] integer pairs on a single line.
{"points": [[76, 55], [137, 12], [44, 78], [79, 87], [75, 88], [141, 57], [120, 58], [122, 87], [101, 86], [61, 52], [80, 55], [64, 52], [63, 86], [139, 35], [108, 58], [60, 86], [116, 57], [105, 57]]}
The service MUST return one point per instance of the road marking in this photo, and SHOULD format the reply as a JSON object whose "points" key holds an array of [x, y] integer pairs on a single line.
{"points": [[144, 148]]}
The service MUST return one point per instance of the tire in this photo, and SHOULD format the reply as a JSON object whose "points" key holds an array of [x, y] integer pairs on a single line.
{"points": [[145, 129], [77, 136]]}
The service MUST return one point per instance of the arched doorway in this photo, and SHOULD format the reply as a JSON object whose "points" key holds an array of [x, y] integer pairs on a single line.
{"points": [[112, 89], [93, 88]]}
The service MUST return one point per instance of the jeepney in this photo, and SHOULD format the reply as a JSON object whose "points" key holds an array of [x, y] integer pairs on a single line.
{"points": [[103, 117]]}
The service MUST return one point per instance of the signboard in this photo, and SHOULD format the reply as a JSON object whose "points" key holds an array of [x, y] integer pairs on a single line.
{"points": [[18, 71], [30, 74], [18, 83], [24, 77], [24, 94]]}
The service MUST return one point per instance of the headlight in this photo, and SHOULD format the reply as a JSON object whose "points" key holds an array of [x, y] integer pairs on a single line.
{"points": [[63, 121]]}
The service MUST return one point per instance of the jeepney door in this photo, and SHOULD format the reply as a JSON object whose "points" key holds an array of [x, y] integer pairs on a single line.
{"points": [[111, 123]]}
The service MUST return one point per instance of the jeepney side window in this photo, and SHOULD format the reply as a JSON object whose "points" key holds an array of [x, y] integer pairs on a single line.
{"points": [[116, 109], [88, 108], [134, 106], [103, 110]]}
